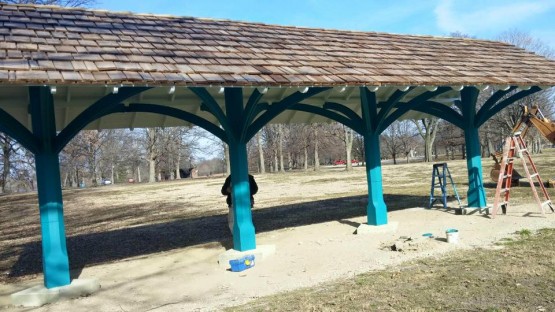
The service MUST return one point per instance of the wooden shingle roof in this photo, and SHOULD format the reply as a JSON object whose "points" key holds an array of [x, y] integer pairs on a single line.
{"points": [[54, 45]]}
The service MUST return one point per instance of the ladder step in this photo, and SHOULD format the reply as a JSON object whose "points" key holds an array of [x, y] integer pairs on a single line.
{"points": [[534, 175], [546, 202]]}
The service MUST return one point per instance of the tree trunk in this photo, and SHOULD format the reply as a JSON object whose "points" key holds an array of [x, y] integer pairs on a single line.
{"points": [[394, 158], [66, 178], [276, 162], [261, 153], [6, 161], [306, 157], [112, 174], [139, 174], [316, 157], [227, 165], [348, 147], [151, 170], [177, 166], [280, 148], [289, 161], [427, 128], [152, 155]]}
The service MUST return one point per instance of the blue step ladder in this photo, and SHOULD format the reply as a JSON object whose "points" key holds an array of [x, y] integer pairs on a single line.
{"points": [[442, 173]]}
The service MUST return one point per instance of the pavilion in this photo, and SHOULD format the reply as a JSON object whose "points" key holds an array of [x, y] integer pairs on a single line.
{"points": [[63, 70]]}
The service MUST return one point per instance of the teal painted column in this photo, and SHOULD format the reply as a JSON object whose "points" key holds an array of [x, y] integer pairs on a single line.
{"points": [[244, 237], [476, 195], [54, 251], [376, 209]]}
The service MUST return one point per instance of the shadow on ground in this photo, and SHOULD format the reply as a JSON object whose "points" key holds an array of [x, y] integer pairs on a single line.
{"points": [[95, 248]]}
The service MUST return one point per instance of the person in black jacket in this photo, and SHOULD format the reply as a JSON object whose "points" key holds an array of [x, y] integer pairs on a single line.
{"points": [[226, 190]]}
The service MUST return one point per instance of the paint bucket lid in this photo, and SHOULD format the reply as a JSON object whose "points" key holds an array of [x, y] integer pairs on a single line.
{"points": [[428, 235], [452, 231]]}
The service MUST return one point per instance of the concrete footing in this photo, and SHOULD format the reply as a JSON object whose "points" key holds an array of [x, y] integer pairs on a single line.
{"points": [[39, 295], [260, 253], [377, 229], [472, 210]]}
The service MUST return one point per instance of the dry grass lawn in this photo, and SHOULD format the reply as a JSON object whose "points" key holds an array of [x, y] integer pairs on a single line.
{"points": [[113, 223]]}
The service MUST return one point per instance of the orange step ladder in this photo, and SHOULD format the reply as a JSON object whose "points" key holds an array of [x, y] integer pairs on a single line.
{"points": [[515, 148]]}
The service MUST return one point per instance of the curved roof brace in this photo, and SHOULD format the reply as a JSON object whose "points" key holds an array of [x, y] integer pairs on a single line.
{"points": [[369, 105], [484, 115], [355, 124], [93, 112], [441, 111], [179, 114], [349, 113], [390, 104], [277, 108], [417, 102], [16, 130], [252, 109], [212, 107], [498, 95]]}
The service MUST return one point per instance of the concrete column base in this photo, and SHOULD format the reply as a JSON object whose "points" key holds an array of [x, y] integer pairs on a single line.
{"points": [[377, 229], [472, 210], [260, 253], [39, 295]]}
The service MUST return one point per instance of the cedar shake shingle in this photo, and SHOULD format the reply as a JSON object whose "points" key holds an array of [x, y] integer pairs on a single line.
{"points": [[47, 44]]}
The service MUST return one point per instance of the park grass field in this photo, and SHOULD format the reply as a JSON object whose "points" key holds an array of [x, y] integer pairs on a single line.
{"points": [[111, 224]]}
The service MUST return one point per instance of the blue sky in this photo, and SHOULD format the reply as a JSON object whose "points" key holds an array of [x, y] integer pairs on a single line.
{"points": [[484, 19]]}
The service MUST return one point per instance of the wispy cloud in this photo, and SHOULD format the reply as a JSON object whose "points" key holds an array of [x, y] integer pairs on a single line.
{"points": [[487, 16]]}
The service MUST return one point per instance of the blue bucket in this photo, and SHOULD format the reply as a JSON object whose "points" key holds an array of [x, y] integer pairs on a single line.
{"points": [[241, 264]]}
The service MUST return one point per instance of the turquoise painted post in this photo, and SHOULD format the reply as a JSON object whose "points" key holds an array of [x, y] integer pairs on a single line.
{"points": [[376, 209], [476, 194], [244, 237], [54, 251]]}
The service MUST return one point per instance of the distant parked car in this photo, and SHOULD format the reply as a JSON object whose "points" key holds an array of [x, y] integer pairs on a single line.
{"points": [[344, 162], [106, 182]]}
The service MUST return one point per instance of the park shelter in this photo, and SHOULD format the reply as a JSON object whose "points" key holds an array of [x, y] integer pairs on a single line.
{"points": [[63, 70]]}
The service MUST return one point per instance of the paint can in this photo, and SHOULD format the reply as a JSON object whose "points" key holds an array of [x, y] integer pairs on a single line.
{"points": [[452, 236]]}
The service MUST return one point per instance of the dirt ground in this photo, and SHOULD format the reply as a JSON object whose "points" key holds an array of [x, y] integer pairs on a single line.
{"points": [[155, 247]]}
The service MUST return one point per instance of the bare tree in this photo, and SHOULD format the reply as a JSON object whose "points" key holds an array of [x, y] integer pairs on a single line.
{"points": [[398, 139], [503, 122], [8, 148], [316, 140], [151, 146], [280, 147], [427, 128]]}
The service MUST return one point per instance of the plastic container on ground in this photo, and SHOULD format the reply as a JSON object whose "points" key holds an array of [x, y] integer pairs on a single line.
{"points": [[241, 264]]}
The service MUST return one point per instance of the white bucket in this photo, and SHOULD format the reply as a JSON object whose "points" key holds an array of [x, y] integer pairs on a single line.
{"points": [[452, 236]]}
